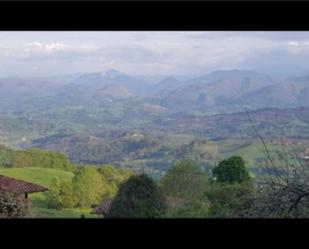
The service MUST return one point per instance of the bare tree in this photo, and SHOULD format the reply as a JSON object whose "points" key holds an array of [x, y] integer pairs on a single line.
{"points": [[284, 191]]}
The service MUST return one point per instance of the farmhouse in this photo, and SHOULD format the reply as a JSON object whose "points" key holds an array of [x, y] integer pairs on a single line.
{"points": [[19, 187]]}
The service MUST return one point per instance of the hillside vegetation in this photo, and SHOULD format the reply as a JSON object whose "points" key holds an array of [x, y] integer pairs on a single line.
{"points": [[57, 177]]}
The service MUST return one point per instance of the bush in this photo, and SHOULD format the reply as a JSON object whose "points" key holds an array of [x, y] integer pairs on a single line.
{"points": [[61, 195], [231, 170], [13, 206], [138, 197], [191, 209], [229, 200], [184, 180]]}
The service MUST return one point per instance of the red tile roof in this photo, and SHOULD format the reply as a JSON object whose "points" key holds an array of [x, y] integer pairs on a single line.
{"points": [[18, 186]]}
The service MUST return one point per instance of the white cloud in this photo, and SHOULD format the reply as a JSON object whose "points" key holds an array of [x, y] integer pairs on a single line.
{"points": [[298, 48], [53, 47], [38, 47], [156, 52], [293, 44], [37, 44]]}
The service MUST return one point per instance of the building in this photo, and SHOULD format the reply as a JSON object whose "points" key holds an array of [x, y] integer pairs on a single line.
{"points": [[19, 187]]}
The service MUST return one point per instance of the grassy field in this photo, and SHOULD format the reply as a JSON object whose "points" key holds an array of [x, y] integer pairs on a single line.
{"points": [[43, 176], [248, 150]]}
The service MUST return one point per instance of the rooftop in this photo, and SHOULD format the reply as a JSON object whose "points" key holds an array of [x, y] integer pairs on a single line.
{"points": [[19, 186]]}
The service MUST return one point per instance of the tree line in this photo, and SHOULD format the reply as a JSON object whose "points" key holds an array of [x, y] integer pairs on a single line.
{"points": [[186, 191]]}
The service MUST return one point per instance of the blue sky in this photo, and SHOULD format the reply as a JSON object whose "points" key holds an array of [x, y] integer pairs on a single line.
{"points": [[165, 53]]}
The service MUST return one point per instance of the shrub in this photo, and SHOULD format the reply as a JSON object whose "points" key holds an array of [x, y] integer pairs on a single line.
{"points": [[191, 209], [138, 197], [13, 206], [229, 200]]}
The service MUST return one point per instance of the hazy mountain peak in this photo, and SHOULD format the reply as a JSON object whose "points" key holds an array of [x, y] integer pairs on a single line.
{"points": [[234, 73], [114, 91], [111, 73], [170, 79]]}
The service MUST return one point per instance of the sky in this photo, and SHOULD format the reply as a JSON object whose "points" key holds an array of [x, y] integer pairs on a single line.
{"points": [[24, 53]]}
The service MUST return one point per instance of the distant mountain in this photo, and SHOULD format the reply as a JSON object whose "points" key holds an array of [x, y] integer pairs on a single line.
{"points": [[233, 75], [112, 77], [20, 94], [113, 91], [218, 92], [167, 84], [286, 94], [217, 89], [112, 73]]}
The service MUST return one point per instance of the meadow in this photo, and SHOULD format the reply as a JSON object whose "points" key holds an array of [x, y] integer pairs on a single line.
{"points": [[44, 176]]}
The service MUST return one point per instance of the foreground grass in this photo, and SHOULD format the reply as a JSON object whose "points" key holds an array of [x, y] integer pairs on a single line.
{"points": [[41, 176], [41, 212], [44, 176]]}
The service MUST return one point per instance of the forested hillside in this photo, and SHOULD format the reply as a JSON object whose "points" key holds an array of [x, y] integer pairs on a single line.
{"points": [[85, 144], [72, 189], [148, 122]]}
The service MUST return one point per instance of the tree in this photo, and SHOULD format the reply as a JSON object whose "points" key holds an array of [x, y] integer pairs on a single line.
{"points": [[6, 155], [184, 180], [52, 195], [229, 200], [138, 197], [284, 192], [231, 170], [88, 186], [13, 206], [111, 179], [61, 194], [112, 174], [67, 196], [195, 208], [35, 157]]}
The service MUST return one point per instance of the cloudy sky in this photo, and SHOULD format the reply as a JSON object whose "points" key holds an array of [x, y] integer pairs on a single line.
{"points": [[165, 53]]}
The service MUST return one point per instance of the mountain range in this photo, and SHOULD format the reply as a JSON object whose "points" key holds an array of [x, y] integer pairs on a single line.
{"points": [[217, 92], [112, 117]]}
